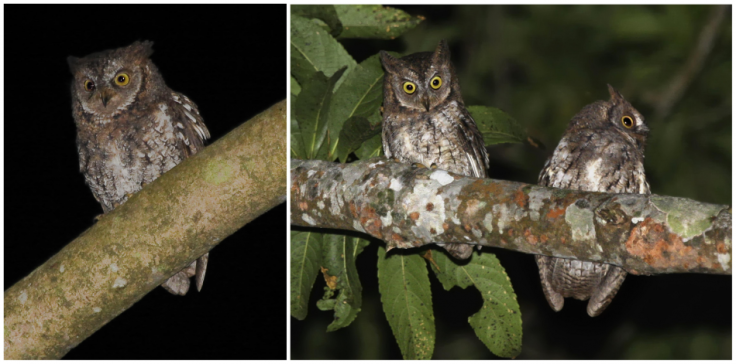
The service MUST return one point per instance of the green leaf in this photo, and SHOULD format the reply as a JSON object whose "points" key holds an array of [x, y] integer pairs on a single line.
{"points": [[297, 147], [306, 258], [326, 13], [312, 110], [497, 126], [498, 323], [295, 88], [314, 50], [407, 302], [355, 131], [370, 148], [374, 21], [339, 253], [360, 95]]}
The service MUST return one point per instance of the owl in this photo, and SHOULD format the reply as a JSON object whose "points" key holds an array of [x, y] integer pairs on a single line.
{"points": [[602, 150], [131, 128], [425, 120]]}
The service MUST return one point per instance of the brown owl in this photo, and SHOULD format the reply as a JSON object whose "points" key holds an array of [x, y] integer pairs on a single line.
{"points": [[131, 128], [425, 120], [602, 150]]}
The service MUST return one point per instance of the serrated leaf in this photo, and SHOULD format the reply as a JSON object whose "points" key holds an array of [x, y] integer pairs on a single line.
{"points": [[374, 21], [498, 323], [355, 131], [306, 258], [338, 257], [497, 126], [312, 110], [360, 95], [314, 50], [295, 87], [370, 148], [407, 302], [326, 13]]}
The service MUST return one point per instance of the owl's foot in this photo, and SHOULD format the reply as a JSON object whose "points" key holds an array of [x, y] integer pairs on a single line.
{"points": [[433, 166], [418, 165]]}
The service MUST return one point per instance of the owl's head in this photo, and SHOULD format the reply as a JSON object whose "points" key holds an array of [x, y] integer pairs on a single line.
{"points": [[617, 113], [106, 83], [420, 81]]}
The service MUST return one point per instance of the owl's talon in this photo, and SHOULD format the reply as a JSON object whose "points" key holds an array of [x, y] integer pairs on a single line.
{"points": [[418, 165], [433, 166]]}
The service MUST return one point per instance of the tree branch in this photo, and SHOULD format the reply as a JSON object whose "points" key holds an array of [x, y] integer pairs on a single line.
{"points": [[157, 232], [409, 207], [682, 80]]}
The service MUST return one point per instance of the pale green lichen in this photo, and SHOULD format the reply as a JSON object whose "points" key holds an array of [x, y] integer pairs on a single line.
{"points": [[581, 223], [687, 218], [488, 222], [218, 172], [536, 201]]}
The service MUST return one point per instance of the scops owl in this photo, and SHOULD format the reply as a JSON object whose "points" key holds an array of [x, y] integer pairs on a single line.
{"points": [[131, 128], [425, 120], [602, 150]]}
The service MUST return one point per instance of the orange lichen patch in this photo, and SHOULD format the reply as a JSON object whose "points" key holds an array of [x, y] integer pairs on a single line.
{"points": [[552, 214], [520, 198], [543, 238], [446, 226], [294, 187], [503, 242], [330, 280], [430, 206], [414, 216], [432, 231], [467, 227], [511, 232], [371, 222], [659, 249], [303, 205], [530, 238], [721, 248], [353, 209], [563, 240], [397, 238]]}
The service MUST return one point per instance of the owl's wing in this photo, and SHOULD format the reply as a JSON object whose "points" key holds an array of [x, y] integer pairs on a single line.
{"points": [[476, 148], [191, 130]]}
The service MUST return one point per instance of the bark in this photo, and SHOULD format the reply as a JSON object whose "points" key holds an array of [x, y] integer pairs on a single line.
{"points": [[408, 207], [133, 249]]}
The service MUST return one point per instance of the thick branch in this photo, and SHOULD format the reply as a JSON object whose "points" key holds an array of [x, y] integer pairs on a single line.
{"points": [[409, 207], [133, 249]]}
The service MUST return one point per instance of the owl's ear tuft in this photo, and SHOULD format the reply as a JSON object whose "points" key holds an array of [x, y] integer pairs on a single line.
{"points": [[142, 49], [389, 62], [441, 54], [616, 96], [72, 62]]}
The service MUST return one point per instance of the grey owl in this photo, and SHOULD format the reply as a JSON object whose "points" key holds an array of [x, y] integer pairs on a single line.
{"points": [[131, 128], [602, 150], [425, 120]]}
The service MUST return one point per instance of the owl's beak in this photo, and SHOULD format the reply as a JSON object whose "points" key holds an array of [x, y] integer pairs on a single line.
{"points": [[425, 101], [105, 96]]}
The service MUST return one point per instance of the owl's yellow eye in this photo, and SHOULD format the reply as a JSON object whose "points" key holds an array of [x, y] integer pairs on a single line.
{"points": [[89, 85], [122, 79], [627, 121], [436, 82], [410, 87]]}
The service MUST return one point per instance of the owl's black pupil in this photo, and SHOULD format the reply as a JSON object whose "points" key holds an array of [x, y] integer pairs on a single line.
{"points": [[627, 121], [409, 87], [121, 79], [436, 82]]}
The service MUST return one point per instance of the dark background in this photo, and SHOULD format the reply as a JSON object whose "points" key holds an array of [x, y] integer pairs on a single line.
{"points": [[231, 61], [542, 64]]}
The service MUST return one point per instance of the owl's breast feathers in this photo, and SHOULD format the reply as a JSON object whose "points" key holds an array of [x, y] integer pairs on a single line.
{"points": [[118, 157], [446, 136]]}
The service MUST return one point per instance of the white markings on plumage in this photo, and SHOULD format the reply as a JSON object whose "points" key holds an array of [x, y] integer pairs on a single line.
{"points": [[592, 172]]}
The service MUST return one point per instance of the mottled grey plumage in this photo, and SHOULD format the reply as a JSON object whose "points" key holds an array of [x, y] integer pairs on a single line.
{"points": [[131, 128], [602, 150], [428, 123]]}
